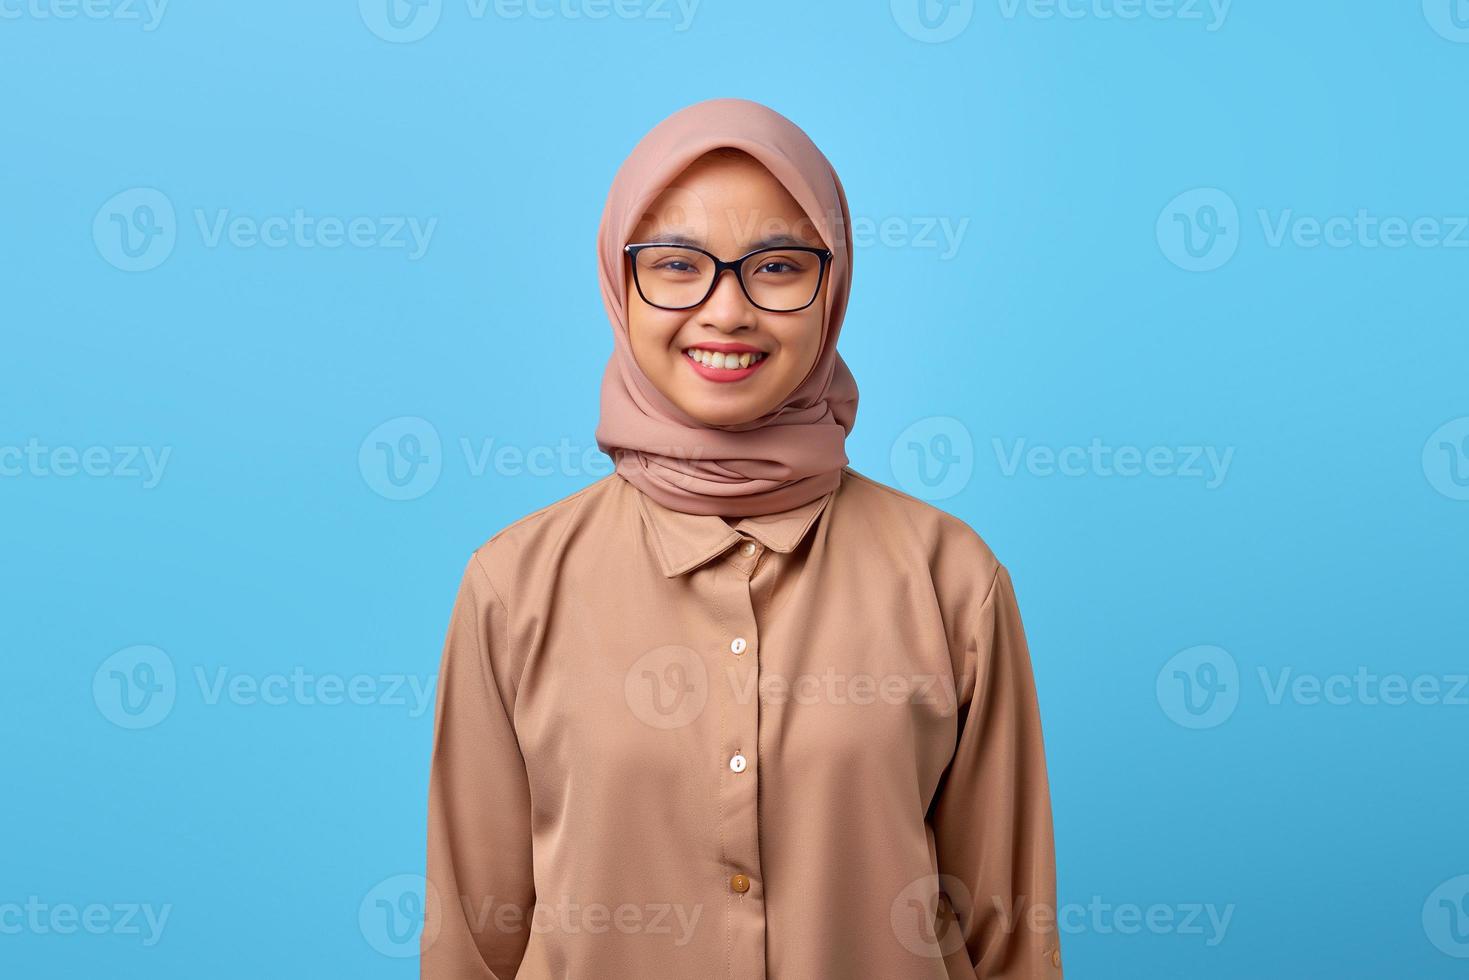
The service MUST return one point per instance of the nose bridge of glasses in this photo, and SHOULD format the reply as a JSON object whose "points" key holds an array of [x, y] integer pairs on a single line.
{"points": [[735, 283]]}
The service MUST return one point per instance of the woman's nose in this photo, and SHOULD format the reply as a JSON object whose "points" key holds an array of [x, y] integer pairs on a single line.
{"points": [[727, 308]]}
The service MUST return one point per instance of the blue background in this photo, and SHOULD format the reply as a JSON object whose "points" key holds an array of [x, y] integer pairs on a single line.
{"points": [[1334, 543]]}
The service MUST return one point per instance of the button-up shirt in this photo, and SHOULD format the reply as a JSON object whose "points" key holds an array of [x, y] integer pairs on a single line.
{"points": [[799, 746]]}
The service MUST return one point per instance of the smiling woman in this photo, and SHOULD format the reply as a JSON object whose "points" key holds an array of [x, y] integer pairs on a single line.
{"points": [[686, 317], [626, 717], [679, 424]]}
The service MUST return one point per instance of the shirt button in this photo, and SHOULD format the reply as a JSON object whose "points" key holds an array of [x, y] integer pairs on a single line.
{"points": [[740, 883], [747, 549], [737, 763], [737, 645], [1056, 957]]}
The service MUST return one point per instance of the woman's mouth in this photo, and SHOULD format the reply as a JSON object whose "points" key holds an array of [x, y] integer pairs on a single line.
{"points": [[731, 365]]}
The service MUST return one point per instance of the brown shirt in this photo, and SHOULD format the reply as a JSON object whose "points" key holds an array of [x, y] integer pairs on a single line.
{"points": [[802, 746]]}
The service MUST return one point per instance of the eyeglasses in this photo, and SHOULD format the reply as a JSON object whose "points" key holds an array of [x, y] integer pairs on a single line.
{"points": [[681, 277]]}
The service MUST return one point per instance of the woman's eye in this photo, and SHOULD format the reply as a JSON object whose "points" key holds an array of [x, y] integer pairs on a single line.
{"points": [[777, 267]]}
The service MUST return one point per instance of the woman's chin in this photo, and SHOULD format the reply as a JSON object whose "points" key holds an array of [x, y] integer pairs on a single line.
{"points": [[722, 410]]}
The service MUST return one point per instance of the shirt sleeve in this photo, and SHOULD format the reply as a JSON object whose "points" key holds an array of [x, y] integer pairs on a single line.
{"points": [[479, 876], [991, 816]]}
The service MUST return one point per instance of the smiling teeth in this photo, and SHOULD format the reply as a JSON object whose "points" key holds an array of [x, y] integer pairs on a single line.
{"points": [[729, 362]]}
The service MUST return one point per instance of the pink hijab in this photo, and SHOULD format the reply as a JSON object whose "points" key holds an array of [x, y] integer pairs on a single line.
{"points": [[791, 455]]}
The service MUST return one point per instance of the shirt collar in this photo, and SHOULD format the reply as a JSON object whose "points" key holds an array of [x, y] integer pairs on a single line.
{"points": [[683, 542]]}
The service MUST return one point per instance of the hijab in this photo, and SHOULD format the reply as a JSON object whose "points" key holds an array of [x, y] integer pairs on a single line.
{"points": [[794, 453]]}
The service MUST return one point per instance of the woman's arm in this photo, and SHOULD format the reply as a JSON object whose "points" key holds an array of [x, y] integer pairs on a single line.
{"points": [[479, 843], [992, 815]]}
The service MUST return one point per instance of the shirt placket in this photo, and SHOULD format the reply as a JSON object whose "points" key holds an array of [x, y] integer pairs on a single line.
{"points": [[740, 765]]}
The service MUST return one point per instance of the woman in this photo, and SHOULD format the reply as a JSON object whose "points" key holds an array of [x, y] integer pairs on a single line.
{"points": [[735, 710]]}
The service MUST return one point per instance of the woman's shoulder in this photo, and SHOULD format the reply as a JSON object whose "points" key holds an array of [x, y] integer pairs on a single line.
{"points": [[949, 542], [541, 529]]}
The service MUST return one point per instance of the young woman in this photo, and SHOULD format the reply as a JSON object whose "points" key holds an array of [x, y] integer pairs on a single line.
{"points": [[735, 710]]}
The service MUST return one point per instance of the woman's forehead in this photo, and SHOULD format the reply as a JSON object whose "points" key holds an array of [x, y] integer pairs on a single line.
{"points": [[730, 216], [728, 200]]}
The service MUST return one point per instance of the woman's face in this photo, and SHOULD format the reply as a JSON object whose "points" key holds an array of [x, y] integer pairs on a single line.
{"points": [[728, 204]]}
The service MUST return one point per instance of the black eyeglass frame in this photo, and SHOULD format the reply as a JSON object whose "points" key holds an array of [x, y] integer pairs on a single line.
{"points": [[736, 266]]}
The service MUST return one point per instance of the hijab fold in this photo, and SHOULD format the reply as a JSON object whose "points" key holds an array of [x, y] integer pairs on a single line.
{"points": [[792, 454]]}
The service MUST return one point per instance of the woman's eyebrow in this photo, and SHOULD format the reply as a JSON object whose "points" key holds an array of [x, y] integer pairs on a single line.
{"points": [[777, 241], [772, 241], [674, 238]]}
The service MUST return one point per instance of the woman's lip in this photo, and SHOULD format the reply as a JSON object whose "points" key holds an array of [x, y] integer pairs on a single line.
{"points": [[723, 374], [724, 348]]}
